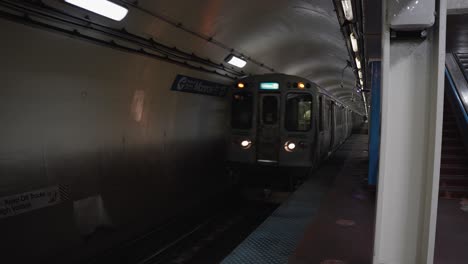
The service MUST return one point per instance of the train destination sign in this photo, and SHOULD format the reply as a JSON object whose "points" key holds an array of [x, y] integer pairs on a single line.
{"points": [[193, 85], [269, 86]]}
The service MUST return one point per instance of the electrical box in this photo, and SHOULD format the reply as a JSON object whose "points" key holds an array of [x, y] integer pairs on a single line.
{"points": [[411, 15]]}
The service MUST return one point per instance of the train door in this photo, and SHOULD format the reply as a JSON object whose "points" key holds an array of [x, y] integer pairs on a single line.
{"points": [[350, 123], [332, 125], [327, 127], [346, 127], [321, 117], [268, 132]]}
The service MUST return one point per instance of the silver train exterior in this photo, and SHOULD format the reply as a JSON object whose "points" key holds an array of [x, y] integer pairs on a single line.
{"points": [[285, 120]]}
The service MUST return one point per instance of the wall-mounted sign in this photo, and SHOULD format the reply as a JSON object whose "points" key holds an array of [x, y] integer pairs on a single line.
{"points": [[193, 85], [24, 202]]}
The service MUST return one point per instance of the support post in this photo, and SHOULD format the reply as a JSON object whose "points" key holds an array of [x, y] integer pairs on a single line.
{"points": [[412, 111]]}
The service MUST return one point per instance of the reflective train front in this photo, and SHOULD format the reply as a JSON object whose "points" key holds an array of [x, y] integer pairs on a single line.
{"points": [[272, 121]]}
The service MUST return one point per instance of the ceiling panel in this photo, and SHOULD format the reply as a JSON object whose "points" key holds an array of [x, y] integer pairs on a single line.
{"points": [[298, 37]]}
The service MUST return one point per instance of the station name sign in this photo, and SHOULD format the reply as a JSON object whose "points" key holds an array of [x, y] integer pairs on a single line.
{"points": [[193, 85]]}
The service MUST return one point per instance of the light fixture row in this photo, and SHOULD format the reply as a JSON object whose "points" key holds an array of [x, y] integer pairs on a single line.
{"points": [[349, 15], [347, 9]]}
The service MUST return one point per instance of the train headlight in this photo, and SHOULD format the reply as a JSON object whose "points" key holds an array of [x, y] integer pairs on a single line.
{"points": [[289, 146], [246, 144]]}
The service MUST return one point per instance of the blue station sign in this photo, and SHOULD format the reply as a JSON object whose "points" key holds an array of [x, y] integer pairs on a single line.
{"points": [[193, 85]]}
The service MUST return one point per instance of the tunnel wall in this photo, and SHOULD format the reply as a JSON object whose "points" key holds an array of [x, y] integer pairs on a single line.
{"points": [[130, 152]]}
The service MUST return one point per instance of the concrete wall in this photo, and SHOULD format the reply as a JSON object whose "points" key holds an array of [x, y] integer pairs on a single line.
{"points": [[71, 114]]}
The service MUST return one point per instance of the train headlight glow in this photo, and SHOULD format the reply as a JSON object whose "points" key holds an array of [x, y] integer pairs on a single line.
{"points": [[102, 7], [289, 146], [246, 144], [301, 85], [236, 61], [241, 85]]}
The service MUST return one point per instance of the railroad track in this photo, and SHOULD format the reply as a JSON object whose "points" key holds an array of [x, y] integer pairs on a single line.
{"points": [[201, 236]]}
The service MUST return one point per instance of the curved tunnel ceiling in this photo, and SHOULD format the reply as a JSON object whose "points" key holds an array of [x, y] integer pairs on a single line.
{"points": [[291, 36], [295, 37]]}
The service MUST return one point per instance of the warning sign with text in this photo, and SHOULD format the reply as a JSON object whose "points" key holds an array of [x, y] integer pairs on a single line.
{"points": [[28, 201]]}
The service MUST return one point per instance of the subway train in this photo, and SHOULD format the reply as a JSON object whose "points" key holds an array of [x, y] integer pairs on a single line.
{"points": [[286, 121]]}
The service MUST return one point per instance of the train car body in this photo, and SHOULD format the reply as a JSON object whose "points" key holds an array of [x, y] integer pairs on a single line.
{"points": [[284, 120]]}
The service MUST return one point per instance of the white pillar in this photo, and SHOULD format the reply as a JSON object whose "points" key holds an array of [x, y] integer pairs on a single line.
{"points": [[412, 110]]}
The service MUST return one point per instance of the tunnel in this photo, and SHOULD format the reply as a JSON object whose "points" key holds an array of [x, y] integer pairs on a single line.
{"points": [[214, 131]]}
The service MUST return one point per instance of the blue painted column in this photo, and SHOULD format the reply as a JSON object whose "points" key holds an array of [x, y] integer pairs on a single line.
{"points": [[374, 123]]}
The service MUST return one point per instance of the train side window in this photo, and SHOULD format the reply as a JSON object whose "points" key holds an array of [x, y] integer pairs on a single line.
{"points": [[298, 112], [242, 111], [270, 110], [320, 114]]}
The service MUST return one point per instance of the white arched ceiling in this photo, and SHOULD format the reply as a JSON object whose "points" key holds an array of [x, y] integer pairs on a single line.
{"points": [[296, 37]]}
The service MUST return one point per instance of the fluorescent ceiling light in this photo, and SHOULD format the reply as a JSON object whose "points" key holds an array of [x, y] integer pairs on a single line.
{"points": [[236, 61], [358, 63], [360, 74], [102, 7], [354, 43], [362, 83], [347, 9]]}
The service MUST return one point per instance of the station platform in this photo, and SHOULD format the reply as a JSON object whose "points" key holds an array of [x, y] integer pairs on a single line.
{"points": [[452, 232], [329, 219]]}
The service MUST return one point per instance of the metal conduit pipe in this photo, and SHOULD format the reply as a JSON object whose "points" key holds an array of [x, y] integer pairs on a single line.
{"points": [[170, 21], [25, 14]]}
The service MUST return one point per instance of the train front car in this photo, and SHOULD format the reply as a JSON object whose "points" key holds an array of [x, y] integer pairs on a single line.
{"points": [[273, 119]]}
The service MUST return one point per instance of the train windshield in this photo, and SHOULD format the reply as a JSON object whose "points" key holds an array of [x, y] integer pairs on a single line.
{"points": [[242, 108], [298, 112]]}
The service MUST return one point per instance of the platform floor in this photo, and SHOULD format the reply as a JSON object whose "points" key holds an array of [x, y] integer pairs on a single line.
{"points": [[330, 217], [343, 230], [451, 246]]}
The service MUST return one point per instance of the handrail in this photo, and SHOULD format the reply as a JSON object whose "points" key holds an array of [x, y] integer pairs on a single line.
{"points": [[456, 95], [458, 85], [457, 90], [458, 59]]}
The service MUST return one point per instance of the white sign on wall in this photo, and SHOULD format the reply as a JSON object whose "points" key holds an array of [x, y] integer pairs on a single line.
{"points": [[28, 201]]}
